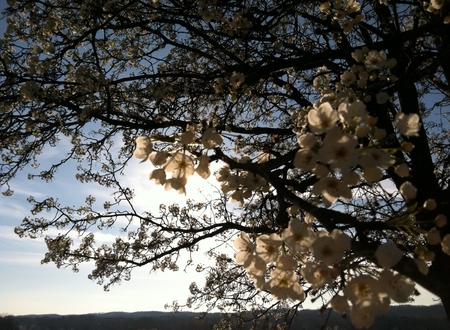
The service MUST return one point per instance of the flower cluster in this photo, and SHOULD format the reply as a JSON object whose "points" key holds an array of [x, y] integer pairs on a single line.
{"points": [[340, 143], [240, 184], [342, 11], [369, 295], [332, 151], [179, 163], [435, 6], [234, 84], [278, 262]]}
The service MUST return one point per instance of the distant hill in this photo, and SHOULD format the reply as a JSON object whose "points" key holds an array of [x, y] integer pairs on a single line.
{"points": [[398, 317]]}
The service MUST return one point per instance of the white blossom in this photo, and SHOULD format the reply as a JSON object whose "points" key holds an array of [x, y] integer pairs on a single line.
{"points": [[158, 158], [180, 163], [331, 189], [322, 119], [440, 220], [375, 60], [408, 191], [246, 249], [268, 247], [305, 159], [143, 147], [433, 236], [284, 285], [339, 150], [298, 236], [352, 114], [339, 304], [408, 125], [388, 254], [307, 140], [211, 139], [445, 244], [203, 167], [398, 287], [318, 275], [158, 175], [363, 315]]}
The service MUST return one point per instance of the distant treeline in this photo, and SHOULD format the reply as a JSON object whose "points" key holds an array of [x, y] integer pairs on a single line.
{"points": [[398, 318]]}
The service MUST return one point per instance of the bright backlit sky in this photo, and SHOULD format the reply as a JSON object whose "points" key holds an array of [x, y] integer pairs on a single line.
{"points": [[27, 287]]}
